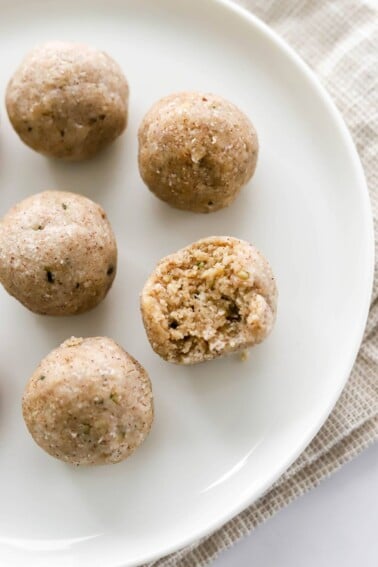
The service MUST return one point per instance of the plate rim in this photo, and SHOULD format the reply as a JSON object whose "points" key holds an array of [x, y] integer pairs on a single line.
{"points": [[252, 495], [272, 36]]}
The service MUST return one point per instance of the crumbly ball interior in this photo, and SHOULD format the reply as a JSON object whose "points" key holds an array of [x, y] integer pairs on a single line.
{"points": [[213, 297]]}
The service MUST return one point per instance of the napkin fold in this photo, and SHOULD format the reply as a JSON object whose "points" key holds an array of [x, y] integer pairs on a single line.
{"points": [[339, 40]]}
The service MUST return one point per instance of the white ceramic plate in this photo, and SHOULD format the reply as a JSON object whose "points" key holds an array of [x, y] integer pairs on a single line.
{"points": [[225, 430]]}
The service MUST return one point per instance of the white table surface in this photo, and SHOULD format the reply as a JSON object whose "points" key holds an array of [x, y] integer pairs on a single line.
{"points": [[335, 525]]}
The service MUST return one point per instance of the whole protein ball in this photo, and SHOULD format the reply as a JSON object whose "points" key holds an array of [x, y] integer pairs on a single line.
{"points": [[214, 297], [89, 402], [58, 253], [196, 151], [68, 100]]}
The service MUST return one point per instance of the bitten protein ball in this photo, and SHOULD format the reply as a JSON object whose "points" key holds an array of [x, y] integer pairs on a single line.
{"points": [[214, 297], [89, 402], [196, 151], [68, 100], [58, 254]]}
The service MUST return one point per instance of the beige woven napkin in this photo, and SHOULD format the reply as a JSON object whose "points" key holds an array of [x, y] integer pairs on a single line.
{"points": [[339, 40]]}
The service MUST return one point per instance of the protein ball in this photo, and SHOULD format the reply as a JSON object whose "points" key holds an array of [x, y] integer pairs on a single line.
{"points": [[58, 254], [68, 100], [196, 151], [212, 298], [89, 402]]}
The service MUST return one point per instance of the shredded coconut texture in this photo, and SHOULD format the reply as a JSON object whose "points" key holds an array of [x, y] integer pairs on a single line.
{"points": [[89, 402], [214, 297], [196, 151], [68, 100]]}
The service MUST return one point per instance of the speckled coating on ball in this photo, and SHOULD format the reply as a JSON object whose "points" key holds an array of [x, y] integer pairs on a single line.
{"points": [[214, 297], [68, 100], [196, 151], [58, 253], [89, 402]]}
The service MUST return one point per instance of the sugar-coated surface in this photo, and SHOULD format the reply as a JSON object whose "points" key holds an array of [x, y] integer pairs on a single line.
{"points": [[214, 297], [196, 151], [67, 100], [58, 254], [89, 402]]}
